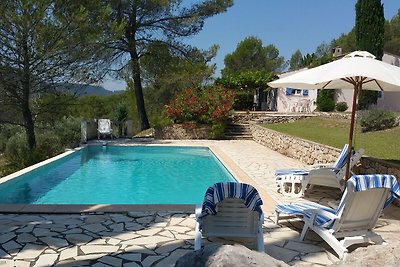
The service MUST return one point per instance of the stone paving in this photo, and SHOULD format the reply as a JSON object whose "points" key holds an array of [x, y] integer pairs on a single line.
{"points": [[159, 238]]}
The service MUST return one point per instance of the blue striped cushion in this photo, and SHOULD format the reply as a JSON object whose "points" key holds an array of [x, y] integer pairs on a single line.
{"points": [[341, 160], [219, 191]]}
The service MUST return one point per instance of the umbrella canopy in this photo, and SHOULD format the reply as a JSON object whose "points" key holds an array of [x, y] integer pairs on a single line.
{"points": [[358, 70]]}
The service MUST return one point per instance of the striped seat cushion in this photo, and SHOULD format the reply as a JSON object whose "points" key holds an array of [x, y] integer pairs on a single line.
{"points": [[219, 191]]}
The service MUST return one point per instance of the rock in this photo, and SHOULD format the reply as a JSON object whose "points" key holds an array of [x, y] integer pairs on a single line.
{"points": [[227, 255], [373, 255]]}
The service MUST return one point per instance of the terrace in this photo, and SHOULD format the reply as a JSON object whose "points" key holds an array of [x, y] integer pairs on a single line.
{"points": [[154, 236]]}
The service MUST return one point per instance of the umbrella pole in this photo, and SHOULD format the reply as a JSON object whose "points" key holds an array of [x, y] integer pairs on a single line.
{"points": [[353, 115]]}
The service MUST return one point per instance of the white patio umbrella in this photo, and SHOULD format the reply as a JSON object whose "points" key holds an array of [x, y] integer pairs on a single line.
{"points": [[358, 70]]}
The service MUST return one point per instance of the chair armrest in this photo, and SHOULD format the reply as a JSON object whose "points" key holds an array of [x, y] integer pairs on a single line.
{"points": [[197, 211], [315, 212], [321, 165]]}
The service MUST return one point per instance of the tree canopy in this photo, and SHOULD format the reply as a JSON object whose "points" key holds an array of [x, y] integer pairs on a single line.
{"points": [[251, 55], [156, 21], [44, 43]]}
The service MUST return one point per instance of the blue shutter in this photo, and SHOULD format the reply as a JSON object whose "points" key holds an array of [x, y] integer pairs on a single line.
{"points": [[305, 92], [379, 94], [289, 91]]}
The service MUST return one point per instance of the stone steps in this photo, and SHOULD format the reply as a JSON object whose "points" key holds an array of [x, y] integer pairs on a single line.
{"points": [[238, 131]]}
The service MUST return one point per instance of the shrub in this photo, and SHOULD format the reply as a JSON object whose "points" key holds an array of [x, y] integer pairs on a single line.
{"points": [[17, 153], [6, 131], [210, 105], [68, 130], [341, 106], [207, 106], [375, 120], [326, 100], [243, 100]]}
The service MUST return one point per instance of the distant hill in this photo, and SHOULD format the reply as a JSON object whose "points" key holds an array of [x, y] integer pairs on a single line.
{"points": [[85, 90]]}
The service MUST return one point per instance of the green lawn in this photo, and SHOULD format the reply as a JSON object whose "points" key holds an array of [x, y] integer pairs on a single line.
{"points": [[334, 132]]}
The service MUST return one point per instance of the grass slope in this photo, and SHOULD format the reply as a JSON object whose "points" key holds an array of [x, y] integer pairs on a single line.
{"points": [[334, 132]]}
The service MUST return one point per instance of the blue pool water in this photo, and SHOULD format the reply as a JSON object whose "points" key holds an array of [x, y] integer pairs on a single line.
{"points": [[120, 175]]}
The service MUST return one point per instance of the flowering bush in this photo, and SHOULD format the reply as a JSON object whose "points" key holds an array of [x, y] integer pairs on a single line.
{"points": [[206, 106]]}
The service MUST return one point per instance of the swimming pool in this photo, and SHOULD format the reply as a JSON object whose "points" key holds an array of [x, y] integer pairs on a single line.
{"points": [[120, 175]]}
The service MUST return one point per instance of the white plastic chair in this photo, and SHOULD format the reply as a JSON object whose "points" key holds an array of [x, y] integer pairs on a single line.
{"points": [[231, 211], [104, 128], [357, 214]]}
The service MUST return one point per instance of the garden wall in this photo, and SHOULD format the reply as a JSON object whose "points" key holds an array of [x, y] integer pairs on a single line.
{"points": [[180, 132]]}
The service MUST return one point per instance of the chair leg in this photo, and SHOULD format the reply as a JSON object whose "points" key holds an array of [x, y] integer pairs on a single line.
{"points": [[197, 237], [304, 231]]}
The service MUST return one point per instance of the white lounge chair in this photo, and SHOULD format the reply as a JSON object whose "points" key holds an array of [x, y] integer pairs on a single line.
{"points": [[352, 222], [296, 183], [232, 211], [340, 161], [104, 128]]}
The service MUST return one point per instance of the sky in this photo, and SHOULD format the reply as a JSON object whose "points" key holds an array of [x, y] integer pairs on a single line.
{"points": [[287, 24]]}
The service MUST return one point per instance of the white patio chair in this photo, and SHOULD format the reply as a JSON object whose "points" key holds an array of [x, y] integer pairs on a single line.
{"points": [[104, 128], [297, 182], [352, 222], [230, 211]]}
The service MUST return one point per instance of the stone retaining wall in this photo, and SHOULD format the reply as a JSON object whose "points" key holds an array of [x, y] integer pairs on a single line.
{"points": [[180, 132]]}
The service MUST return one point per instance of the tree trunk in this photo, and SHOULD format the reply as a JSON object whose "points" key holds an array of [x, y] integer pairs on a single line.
{"points": [[144, 122], [29, 126]]}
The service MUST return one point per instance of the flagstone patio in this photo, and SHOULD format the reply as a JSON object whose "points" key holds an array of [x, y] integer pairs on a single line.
{"points": [[159, 238]]}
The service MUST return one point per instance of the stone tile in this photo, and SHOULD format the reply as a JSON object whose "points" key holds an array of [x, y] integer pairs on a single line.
{"points": [[147, 240], [131, 264], [113, 241], [139, 214], [93, 249], [68, 253], [120, 218], [188, 222], [43, 232], [159, 224], [131, 256], [145, 220], [19, 263], [6, 237], [171, 259], [179, 229], [317, 258], [149, 260], [170, 246], [26, 229], [73, 231], [151, 246], [139, 249], [54, 242], [99, 264], [30, 251], [11, 245], [149, 232], [126, 236], [46, 260], [117, 227], [94, 228], [279, 253], [78, 238], [133, 226], [113, 261], [176, 220], [3, 254], [50, 251], [167, 234], [303, 247], [88, 257], [26, 238]]}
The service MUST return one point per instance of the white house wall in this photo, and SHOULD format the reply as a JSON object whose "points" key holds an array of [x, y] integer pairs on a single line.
{"points": [[296, 103]]}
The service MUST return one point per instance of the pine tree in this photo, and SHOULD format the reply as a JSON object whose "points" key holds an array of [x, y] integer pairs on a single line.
{"points": [[370, 32]]}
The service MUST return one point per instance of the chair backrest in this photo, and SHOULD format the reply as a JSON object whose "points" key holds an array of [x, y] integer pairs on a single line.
{"points": [[341, 160], [362, 203], [353, 161], [233, 218], [104, 125]]}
